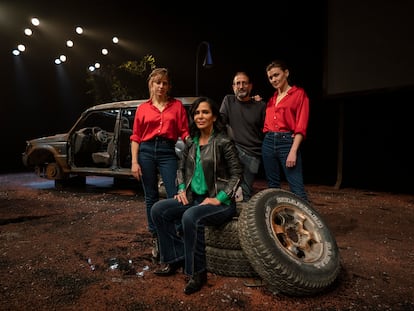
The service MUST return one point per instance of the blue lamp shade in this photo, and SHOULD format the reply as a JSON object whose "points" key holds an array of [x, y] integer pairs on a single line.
{"points": [[208, 60]]}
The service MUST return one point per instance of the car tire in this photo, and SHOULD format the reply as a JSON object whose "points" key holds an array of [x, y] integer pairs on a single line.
{"points": [[225, 236], [228, 262], [288, 243], [54, 171]]}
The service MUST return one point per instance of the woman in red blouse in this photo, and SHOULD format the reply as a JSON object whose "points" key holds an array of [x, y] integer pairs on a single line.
{"points": [[285, 126], [158, 123]]}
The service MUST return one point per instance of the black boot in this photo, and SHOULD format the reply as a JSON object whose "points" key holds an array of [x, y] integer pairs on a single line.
{"points": [[170, 269], [196, 283]]}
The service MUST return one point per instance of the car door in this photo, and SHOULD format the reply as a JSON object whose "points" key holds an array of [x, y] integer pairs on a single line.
{"points": [[92, 142]]}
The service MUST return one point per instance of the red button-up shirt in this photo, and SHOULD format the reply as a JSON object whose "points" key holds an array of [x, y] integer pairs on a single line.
{"points": [[149, 122], [291, 114]]}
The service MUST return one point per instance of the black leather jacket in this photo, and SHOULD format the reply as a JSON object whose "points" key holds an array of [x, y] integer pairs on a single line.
{"points": [[221, 166]]}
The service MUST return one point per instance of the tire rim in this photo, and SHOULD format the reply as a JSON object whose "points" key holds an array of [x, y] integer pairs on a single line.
{"points": [[296, 233]]}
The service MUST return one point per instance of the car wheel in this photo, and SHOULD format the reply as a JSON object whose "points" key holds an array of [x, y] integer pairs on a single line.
{"points": [[53, 171], [288, 243]]}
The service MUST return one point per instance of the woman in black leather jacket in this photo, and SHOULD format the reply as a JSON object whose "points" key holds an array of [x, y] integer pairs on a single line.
{"points": [[208, 176]]}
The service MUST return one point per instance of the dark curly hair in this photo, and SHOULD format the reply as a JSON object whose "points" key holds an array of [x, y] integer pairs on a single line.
{"points": [[218, 126]]}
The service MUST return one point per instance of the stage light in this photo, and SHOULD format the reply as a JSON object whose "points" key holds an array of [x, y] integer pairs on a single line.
{"points": [[21, 47], [28, 32], [35, 21], [104, 51], [115, 40], [79, 30], [69, 43]]}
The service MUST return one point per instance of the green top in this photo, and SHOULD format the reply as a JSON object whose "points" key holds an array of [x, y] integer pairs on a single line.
{"points": [[198, 182]]}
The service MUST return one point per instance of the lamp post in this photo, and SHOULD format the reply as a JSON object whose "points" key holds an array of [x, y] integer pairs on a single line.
{"points": [[208, 61]]}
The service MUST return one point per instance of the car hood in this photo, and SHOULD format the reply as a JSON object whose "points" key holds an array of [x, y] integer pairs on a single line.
{"points": [[49, 139]]}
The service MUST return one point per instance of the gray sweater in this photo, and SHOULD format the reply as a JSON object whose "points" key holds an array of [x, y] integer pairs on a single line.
{"points": [[246, 121]]}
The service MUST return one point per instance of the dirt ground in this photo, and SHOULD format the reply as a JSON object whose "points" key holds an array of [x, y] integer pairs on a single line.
{"points": [[88, 249]]}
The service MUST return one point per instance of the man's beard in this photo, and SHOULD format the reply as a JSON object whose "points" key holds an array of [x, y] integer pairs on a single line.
{"points": [[242, 94]]}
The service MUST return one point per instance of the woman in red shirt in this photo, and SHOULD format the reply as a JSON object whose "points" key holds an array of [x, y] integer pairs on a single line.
{"points": [[285, 126], [158, 123]]}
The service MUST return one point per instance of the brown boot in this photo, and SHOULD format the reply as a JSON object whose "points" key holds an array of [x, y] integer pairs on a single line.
{"points": [[195, 283]]}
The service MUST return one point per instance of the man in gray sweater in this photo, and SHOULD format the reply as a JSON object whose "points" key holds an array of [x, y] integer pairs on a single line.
{"points": [[244, 116]]}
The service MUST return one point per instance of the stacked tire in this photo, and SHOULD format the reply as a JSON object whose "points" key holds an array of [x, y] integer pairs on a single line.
{"points": [[281, 239], [224, 253]]}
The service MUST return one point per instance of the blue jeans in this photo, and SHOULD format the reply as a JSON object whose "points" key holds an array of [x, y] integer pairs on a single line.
{"points": [[157, 157], [190, 245], [275, 149], [251, 166]]}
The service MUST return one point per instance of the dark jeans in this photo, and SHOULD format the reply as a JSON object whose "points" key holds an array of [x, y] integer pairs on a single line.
{"points": [[251, 166], [190, 245], [275, 149], [157, 156]]}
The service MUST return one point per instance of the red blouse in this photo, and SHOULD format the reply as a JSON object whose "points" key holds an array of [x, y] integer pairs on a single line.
{"points": [[149, 122], [290, 115]]}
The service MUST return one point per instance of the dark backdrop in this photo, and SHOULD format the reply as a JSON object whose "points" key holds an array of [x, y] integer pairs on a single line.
{"points": [[375, 124]]}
